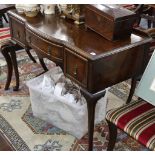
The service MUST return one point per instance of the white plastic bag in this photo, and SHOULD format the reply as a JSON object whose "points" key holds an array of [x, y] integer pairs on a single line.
{"points": [[61, 110]]}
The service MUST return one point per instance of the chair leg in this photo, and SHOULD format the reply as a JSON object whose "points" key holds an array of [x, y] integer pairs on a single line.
{"points": [[153, 24], [15, 66], [138, 22], [4, 16], [1, 22], [30, 55], [132, 90], [5, 51], [149, 24], [112, 136]]}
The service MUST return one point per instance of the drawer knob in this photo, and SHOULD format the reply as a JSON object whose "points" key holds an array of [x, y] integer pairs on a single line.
{"points": [[75, 70], [98, 18], [49, 50]]}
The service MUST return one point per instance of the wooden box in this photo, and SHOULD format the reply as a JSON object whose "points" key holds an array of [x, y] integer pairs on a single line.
{"points": [[111, 21]]}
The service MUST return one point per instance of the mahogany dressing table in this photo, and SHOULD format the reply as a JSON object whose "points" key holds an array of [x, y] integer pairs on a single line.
{"points": [[85, 57]]}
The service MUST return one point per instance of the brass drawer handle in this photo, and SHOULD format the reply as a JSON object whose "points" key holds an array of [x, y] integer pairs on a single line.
{"points": [[49, 50], [75, 70], [98, 19], [18, 34]]}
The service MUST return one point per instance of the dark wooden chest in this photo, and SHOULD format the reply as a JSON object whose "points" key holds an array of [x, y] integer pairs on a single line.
{"points": [[111, 21]]}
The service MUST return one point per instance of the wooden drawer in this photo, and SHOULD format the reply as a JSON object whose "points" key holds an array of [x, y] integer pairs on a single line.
{"points": [[18, 31], [53, 50], [114, 68], [76, 67]]}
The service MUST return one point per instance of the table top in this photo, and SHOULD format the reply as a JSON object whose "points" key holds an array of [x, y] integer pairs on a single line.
{"points": [[6, 7], [63, 31]]}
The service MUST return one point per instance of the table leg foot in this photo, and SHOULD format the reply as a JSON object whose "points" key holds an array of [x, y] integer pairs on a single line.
{"points": [[15, 88]]}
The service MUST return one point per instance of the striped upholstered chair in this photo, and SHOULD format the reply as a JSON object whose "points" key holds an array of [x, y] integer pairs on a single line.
{"points": [[4, 35], [136, 119]]}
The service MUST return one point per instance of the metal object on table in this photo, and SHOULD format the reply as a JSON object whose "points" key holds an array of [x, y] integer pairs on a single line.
{"points": [[75, 12]]}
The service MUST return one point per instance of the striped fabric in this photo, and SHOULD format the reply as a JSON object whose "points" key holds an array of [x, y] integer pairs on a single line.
{"points": [[138, 120], [4, 35]]}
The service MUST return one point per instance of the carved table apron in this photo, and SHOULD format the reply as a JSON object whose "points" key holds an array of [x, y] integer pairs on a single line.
{"points": [[85, 57]]}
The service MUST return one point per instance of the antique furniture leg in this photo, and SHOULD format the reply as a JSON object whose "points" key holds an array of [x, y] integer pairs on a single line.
{"points": [[30, 55], [1, 22], [91, 116], [41, 60], [112, 136], [9, 53], [149, 24], [4, 16], [5, 51], [91, 103], [15, 66], [132, 89]]}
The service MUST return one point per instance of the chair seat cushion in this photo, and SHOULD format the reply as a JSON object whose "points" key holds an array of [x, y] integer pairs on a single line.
{"points": [[4, 35], [137, 120]]}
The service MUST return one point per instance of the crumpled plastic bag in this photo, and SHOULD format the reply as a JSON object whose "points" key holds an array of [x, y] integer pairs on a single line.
{"points": [[58, 101]]}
